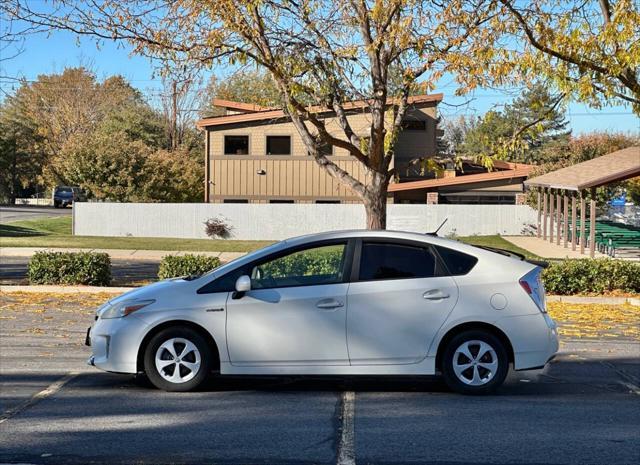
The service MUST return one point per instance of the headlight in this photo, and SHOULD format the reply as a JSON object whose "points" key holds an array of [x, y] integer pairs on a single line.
{"points": [[122, 309]]}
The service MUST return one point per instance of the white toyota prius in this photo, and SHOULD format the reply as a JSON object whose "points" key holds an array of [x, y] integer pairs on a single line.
{"points": [[338, 303]]}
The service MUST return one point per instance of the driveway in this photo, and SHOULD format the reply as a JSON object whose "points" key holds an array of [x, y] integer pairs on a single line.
{"points": [[9, 214], [584, 409]]}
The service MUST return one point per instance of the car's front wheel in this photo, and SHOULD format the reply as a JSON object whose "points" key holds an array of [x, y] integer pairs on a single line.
{"points": [[177, 359], [475, 362]]}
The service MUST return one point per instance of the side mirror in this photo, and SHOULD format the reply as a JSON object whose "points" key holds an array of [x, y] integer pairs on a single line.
{"points": [[243, 284]]}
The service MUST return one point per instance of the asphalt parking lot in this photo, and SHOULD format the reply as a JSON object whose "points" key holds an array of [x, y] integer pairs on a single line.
{"points": [[583, 409]]}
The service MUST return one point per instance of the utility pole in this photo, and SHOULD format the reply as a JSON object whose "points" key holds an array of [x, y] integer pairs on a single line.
{"points": [[174, 115]]}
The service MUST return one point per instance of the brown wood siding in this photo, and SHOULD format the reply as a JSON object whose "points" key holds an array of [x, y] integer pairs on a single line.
{"points": [[298, 176]]}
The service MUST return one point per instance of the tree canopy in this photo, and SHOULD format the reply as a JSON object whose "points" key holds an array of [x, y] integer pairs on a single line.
{"points": [[517, 132], [330, 52], [71, 129]]}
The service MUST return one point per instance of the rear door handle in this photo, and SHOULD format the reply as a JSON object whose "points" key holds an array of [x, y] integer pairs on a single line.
{"points": [[329, 303], [435, 294]]}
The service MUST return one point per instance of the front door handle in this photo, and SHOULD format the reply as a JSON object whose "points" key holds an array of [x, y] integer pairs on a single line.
{"points": [[329, 303], [435, 294]]}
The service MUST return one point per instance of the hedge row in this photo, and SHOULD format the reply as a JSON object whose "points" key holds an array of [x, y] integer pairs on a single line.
{"points": [[173, 266], [597, 276], [89, 268]]}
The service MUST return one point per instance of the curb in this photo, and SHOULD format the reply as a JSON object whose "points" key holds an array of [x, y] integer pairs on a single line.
{"points": [[577, 299]]}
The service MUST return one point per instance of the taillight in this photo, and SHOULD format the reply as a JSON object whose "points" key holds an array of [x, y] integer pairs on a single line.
{"points": [[525, 286], [532, 285]]}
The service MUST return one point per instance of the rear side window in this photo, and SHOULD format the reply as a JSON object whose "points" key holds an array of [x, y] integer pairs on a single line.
{"points": [[457, 263], [397, 261]]}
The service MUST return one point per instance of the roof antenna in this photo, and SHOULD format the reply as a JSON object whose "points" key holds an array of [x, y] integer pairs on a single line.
{"points": [[435, 233]]}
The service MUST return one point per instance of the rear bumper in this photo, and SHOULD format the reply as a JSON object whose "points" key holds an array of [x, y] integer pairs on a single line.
{"points": [[534, 339]]}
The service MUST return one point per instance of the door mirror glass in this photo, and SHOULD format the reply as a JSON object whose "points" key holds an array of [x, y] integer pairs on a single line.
{"points": [[243, 284]]}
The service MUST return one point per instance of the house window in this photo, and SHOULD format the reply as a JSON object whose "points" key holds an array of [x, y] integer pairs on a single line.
{"points": [[236, 145], [327, 201], [281, 201], [235, 201], [414, 125], [278, 145]]}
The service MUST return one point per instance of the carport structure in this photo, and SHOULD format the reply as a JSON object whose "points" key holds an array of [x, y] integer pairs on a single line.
{"points": [[558, 189]]}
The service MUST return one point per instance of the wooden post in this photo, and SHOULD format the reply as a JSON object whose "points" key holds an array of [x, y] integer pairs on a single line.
{"points": [[565, 221], [574, 233], [539, 233], [592, 229], [552, 202], [558, 218], [583, 220], [545, 203], [207, 161]]}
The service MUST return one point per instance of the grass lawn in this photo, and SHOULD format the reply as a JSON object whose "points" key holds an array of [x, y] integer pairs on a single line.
{"points": [[56, 232]]}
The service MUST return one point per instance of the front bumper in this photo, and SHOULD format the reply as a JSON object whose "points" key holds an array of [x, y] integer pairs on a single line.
{"points": [[115, 343]]}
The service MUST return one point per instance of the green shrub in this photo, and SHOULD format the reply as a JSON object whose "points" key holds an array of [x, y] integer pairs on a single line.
{"points": [[173, 266], [601, 275], [89, 268]]}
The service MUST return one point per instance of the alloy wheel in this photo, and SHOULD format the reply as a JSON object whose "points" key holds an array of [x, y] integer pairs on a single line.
{"points": [[178, 360], [475, 363]]}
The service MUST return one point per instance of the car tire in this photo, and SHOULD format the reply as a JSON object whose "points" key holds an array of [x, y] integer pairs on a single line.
{"points": [[185, 346], [475, 362], [56, 205]]}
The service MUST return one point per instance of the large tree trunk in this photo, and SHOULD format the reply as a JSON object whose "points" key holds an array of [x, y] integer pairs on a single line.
{"points": [[375, 201]]}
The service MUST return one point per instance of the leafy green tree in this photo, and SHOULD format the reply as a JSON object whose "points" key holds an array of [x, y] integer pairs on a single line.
{"points": [[519, 131], [589, 49], [21, 151]]}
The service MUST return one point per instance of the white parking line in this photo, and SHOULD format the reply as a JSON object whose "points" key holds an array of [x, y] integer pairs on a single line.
{"points": [[346, 447], [48, 391]]}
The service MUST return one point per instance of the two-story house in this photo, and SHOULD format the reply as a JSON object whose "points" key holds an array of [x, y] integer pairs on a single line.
{"points": [[255, 155]]}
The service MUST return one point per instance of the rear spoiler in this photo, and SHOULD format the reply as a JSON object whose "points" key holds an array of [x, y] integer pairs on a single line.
{"points": [[510, 253]]}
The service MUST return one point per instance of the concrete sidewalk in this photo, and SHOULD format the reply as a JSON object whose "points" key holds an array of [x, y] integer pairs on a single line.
{"points": [[546, 249], [130, 254]]}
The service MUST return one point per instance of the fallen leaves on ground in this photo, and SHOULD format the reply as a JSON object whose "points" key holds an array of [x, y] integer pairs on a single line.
{"points": [[592, 321]]}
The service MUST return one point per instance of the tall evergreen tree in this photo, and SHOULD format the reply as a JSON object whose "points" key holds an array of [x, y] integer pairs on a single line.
{"points": [[519, 131]]}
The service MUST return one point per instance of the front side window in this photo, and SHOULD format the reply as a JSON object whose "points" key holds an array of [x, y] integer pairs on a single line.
{"points": [[236, 145], [308, 267], [278, 145], [381, 261]]}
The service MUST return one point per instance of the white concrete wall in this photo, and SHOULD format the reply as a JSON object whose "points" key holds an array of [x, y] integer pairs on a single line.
{"points": [[275, 222], [43, 202]]}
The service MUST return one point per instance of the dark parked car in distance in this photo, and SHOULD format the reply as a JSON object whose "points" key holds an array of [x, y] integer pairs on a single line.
{"points": [[66, 195]]}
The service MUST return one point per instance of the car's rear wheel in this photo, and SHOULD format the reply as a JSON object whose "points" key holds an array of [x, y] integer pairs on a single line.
{"points": [[475, 362], [178, 359]]}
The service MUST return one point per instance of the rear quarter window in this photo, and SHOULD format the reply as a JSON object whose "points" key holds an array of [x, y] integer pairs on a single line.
{"points": [[457, 263]]}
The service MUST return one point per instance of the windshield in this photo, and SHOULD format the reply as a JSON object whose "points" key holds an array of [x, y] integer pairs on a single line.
{"points": [[63, 190]]}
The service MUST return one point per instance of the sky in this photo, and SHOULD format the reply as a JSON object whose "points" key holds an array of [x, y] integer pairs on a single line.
{"points": [[44, 54]]}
